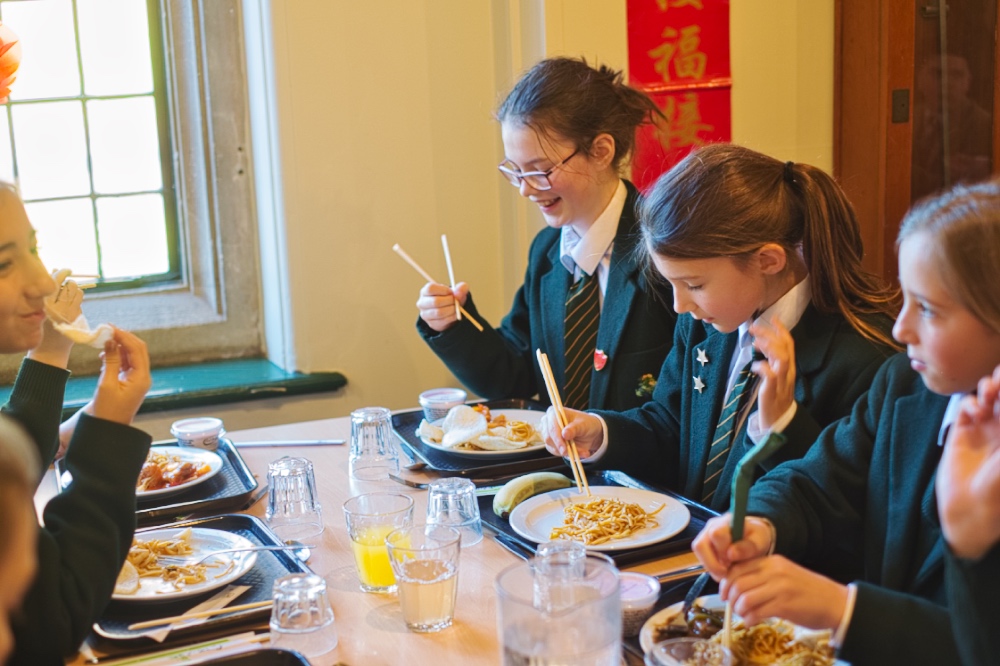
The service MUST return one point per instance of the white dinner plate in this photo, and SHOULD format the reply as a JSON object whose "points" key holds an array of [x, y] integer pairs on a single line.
{"points": [[186, 454], [531, 416], [535, 517], [710, 602], [203, 541]]}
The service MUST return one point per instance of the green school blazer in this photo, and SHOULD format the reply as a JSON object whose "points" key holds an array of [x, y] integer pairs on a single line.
{"points": [[861, 506], [666, 442], [636, 329], [973, 590]]}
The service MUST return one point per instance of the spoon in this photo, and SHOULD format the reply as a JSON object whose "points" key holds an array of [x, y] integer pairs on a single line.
{"points": [[301, 551]]}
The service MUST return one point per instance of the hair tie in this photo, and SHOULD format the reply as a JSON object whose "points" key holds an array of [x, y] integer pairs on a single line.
{"points": [[789, 174]]}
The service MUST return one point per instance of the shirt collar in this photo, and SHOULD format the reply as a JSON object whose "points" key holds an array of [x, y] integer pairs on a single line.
{"points": [[787, 310], [588, 250], [950, 414]]}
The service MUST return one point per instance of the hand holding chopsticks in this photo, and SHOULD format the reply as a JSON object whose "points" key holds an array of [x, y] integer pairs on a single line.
{"points": [[408, 259], [574, 456]]}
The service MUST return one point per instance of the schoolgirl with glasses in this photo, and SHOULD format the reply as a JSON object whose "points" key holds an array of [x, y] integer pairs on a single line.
{"points": [[568, 130]]}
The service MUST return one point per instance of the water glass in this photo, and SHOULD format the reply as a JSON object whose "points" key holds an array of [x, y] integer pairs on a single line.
{"points": [[301, 618], [370, 518], [373, 451], [559, 567], [584, 629], [452, 501], [293, 509], [425, 561]]}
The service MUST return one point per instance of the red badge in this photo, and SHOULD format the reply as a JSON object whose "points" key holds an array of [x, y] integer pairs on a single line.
{"points": [[600, 359]]}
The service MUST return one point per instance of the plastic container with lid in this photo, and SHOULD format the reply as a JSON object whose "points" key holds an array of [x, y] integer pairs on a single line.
{"points": [[202, 432], [639, 593], [437, 402]]}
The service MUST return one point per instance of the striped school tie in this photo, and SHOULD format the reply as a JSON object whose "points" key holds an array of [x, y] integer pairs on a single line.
{"points": [[583, 316], [718, 453]]}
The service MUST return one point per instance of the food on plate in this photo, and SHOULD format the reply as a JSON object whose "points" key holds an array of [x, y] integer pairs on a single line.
{"points": [[128, 579], [144, 556], [517, 490], [770, 642], [476, 429], [163, 470], [602, 519]]}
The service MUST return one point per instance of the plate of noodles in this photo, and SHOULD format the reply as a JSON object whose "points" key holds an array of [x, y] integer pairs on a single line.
{"points": [[771, 642], [480, 432], [611, 518], [174, 469], [145, 578]]}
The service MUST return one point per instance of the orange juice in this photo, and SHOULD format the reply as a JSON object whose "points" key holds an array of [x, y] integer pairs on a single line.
{"points": [[372, 558]]}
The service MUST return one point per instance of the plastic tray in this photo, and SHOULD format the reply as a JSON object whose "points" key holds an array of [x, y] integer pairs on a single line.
{"points": [[676, 544], [229, 490], [262, 657], [112, 629], [405, 424]]}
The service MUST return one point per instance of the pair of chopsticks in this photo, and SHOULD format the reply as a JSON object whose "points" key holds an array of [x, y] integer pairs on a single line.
{"points": [[460, 311], [195, 616], [574, 456]]}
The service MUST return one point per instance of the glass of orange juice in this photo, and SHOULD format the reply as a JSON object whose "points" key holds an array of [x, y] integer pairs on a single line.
{"points": [[370, 518]]}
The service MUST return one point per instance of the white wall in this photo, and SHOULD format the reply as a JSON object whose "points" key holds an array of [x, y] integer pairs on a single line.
{"points": [[384, 134]]}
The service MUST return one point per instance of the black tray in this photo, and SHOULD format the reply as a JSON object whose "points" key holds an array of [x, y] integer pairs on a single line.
{"points": [[229, 490], [111, 631], [676, 544], [405, 424], [262, 657]]}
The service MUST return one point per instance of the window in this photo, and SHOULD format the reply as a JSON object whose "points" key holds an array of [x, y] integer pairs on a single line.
{"points": [[128, 134]]}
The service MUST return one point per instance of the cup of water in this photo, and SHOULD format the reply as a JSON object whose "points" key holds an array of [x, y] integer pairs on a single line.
{"points": [[425, 561], [302, 618]]}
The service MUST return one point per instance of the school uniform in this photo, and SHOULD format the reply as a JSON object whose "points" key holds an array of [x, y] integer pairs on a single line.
{"points": [[667, 441], [88, 528], [860, 507], [636, 327], [973, 590]]}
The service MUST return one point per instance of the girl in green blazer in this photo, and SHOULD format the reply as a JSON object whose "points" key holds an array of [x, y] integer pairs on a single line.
{"points": [[760, 254], [567, 130], [860, 507]]}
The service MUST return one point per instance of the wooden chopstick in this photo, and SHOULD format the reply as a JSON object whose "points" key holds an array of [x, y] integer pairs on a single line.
{"points": [[451, 271], [574, 455], [408, 259], [195, 616]]}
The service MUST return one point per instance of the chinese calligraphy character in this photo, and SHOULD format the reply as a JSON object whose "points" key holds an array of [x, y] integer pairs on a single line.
{"points": [[683, 122], [665, 4], [689, 62]]}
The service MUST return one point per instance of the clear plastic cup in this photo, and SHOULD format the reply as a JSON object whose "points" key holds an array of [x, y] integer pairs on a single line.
{"points": [[452, 501], [425, 561], [373, 450], [370, 519], [302, 618], [293, 508]]}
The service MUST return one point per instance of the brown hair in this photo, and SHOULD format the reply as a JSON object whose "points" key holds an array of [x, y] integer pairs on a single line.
{"points": [[727, 200], [964, 223], [568, 97], [19, 473]]}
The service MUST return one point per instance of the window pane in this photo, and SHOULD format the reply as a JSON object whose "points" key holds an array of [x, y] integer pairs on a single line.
{"points": [[124, 150], [51, 150], [6, 157], [48, 66], [133, 240], [65, 234], [114, 40]]}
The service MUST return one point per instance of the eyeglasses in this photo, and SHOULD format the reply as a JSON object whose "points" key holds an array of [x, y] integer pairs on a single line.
{"points": [[538, 180]]}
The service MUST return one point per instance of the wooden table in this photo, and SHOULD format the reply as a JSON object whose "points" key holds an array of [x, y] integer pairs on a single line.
{"points": [[370, 626]]}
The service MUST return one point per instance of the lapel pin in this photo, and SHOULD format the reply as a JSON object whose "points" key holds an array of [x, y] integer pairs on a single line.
{"points": [[702, 357], [600, 359], [699, 385]]}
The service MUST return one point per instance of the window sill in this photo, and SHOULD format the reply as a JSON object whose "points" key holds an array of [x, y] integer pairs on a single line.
{"points": [[213, 383]]}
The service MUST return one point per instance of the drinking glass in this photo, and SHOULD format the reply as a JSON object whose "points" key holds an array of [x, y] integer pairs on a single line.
{"points": [[301, 618], [425, 561], [583, 628], [370, 518], [452, 501], [293, 509], [373, 452]]}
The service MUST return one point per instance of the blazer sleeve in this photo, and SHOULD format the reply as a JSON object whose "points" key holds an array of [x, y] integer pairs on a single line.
{"points": [[36, 402], [973, 588], [86, 534]]}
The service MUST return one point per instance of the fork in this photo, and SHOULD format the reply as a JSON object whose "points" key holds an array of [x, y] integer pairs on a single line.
{"points": [[185, 561]]}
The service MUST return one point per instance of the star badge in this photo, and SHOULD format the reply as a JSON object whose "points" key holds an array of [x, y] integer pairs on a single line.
{"points": [[699, 385], [702, 357]]}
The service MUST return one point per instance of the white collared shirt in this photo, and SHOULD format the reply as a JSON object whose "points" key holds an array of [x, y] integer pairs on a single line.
{"points": [[592, 251]]}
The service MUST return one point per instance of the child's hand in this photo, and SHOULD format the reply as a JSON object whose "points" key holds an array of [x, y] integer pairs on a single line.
{"points": [[776, 371], [716, 551], [124, 380], [63, 306], [583, 428], [777, 587], [437, 304]]}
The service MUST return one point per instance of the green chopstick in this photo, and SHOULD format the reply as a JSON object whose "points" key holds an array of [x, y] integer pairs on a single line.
{"points": [[743, 479]]}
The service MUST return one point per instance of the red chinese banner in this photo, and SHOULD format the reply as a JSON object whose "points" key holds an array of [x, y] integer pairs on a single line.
{"points": [[679, 56]]}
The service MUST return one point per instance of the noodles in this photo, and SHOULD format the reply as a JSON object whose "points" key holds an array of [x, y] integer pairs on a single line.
{"points": [[602, 519], [144, 556], [774, 642]]}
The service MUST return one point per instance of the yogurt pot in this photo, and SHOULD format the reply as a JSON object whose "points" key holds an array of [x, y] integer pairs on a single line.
{"points": [[437, 402], [639, 593], [202, 432]]}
